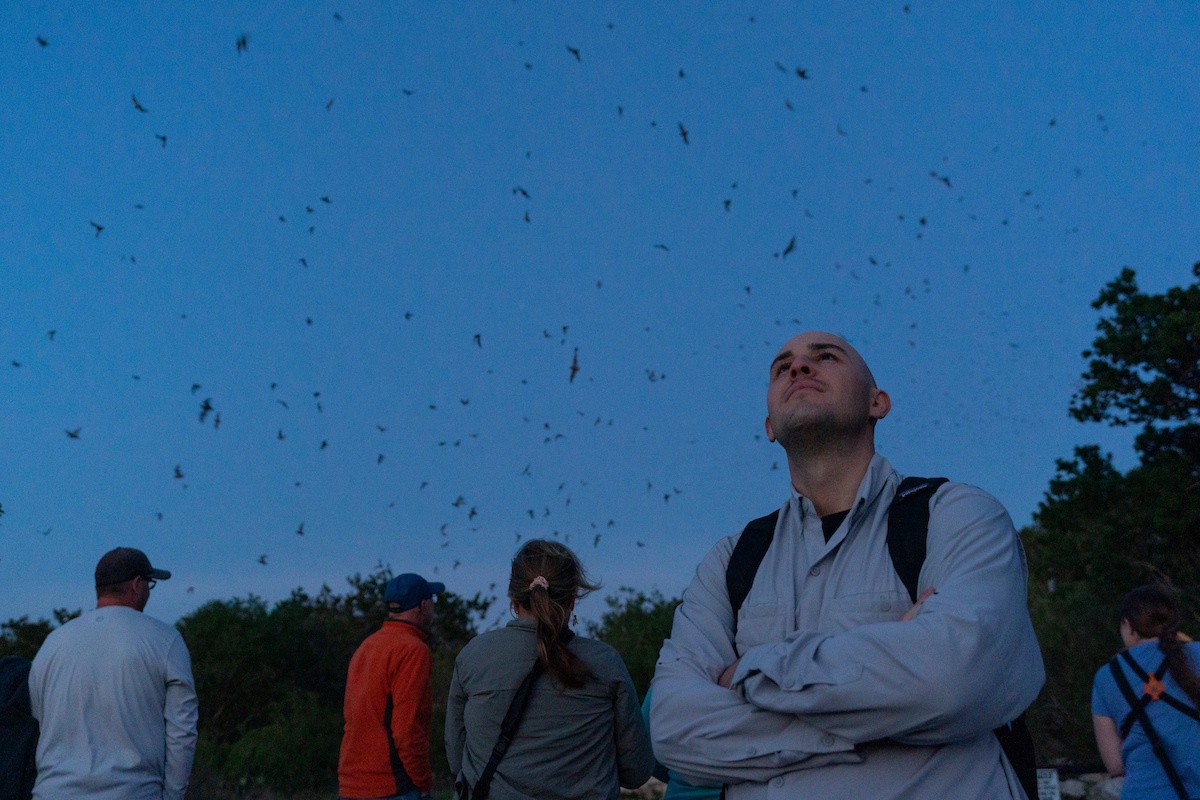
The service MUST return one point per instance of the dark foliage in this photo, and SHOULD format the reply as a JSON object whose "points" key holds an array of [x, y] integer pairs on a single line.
{"points": [[1145, 366], [635, 625], [20, 637], [1099, 533]]}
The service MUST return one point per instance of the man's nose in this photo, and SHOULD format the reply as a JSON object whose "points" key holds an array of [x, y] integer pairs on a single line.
{"points": [[800, 367]]}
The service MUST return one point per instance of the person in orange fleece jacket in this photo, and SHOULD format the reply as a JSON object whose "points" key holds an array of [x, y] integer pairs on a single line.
{"points": [[385, 746]]}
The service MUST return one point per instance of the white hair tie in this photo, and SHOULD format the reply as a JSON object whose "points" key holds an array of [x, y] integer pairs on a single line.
{"points": [[539, 581]]}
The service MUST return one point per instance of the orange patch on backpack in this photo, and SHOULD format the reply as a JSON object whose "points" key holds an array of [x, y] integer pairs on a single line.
{"points": [[1154, 688]]}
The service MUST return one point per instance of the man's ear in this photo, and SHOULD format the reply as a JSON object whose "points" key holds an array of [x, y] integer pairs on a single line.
{"points": [[881, 404], [770, 433]]}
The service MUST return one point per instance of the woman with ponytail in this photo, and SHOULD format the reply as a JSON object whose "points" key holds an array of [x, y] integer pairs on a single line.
{"points": [[1145, 701], [580, 733]]}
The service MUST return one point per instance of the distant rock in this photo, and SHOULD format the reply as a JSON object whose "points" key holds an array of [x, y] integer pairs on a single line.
{"points": [[1107, 789], [1072, 787]]}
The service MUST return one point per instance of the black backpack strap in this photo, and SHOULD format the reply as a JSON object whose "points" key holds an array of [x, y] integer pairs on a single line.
{"points": [[1017, 743], [1138, 711], [908, 526], [1137, 668], [744, 560], [908, 529], [508, 728]]}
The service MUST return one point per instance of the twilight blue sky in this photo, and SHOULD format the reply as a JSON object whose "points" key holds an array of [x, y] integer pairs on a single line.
{"points": [[391, 227]]}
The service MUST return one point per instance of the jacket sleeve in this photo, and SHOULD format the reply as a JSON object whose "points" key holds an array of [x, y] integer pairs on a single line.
{"points": [[711, 734], [456, 729], [968, 663], [180, 712], [412, 709], [635, 757]]}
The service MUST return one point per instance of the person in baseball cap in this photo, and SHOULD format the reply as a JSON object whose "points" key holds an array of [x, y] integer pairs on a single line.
{"points": [[126, 563], [388, 705], [113, 693]]}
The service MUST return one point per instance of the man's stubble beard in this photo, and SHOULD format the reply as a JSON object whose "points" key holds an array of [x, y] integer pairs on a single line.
{"points": [[807, 431]]}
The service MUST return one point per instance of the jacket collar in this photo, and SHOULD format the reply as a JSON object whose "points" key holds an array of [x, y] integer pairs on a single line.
{"points": [[406, 627], [878, 477]]}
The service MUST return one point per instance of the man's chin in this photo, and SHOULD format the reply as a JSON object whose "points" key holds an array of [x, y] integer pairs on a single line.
{"points": [[811, 433]]}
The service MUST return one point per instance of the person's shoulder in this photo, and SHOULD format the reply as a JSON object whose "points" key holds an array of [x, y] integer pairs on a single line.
{"points": [[1104, 691], [723, 548], [148, 626], [486, 642], [602, 657], [403, 636], [70, 629], [957, 491], [582, 645], [487, 638], [504, 645], [966, 502], [1103, 674], [141, 618], [57, 639]]}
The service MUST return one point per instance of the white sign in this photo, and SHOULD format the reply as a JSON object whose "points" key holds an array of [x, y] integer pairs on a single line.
{"points": [[1047, 785]]}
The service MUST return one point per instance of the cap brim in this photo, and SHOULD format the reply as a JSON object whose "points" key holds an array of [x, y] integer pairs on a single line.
{"points": [[158, 574], [437, 588]]}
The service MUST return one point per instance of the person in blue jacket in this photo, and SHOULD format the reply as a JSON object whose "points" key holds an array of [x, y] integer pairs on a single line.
{"points": [[1144, 702]]}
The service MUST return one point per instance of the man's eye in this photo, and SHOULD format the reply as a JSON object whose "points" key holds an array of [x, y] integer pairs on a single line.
{"points": [[830, 356], [782, 367]]}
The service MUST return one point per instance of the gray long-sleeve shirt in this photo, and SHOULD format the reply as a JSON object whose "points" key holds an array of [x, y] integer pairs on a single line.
{"points": [[114, 695], [835, 696], [573, 744]]}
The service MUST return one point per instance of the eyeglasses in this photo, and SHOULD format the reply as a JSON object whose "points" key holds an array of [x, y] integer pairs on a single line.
{"points": [[150, 582]]}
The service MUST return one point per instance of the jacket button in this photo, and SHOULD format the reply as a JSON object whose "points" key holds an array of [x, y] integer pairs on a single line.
{"points": [[815, 571], [827, 740], [778, 782]]}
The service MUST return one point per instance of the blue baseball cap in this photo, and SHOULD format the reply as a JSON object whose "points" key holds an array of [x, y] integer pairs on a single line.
{"points": [[408, 590]]}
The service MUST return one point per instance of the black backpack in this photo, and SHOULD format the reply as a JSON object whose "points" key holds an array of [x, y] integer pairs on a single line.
{"points": [[908, 527]]}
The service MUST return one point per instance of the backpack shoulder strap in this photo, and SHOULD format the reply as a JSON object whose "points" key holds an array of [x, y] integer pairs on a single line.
{"points": [[908, 524], [747, 555], [1017, 743], [1132, 700], [508, 727], [1138, 712], [908, 527], [1161, 694]]}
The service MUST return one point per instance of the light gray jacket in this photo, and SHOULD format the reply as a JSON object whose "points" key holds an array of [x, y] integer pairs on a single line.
{"points": [[835, 697], [571, 743]]}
